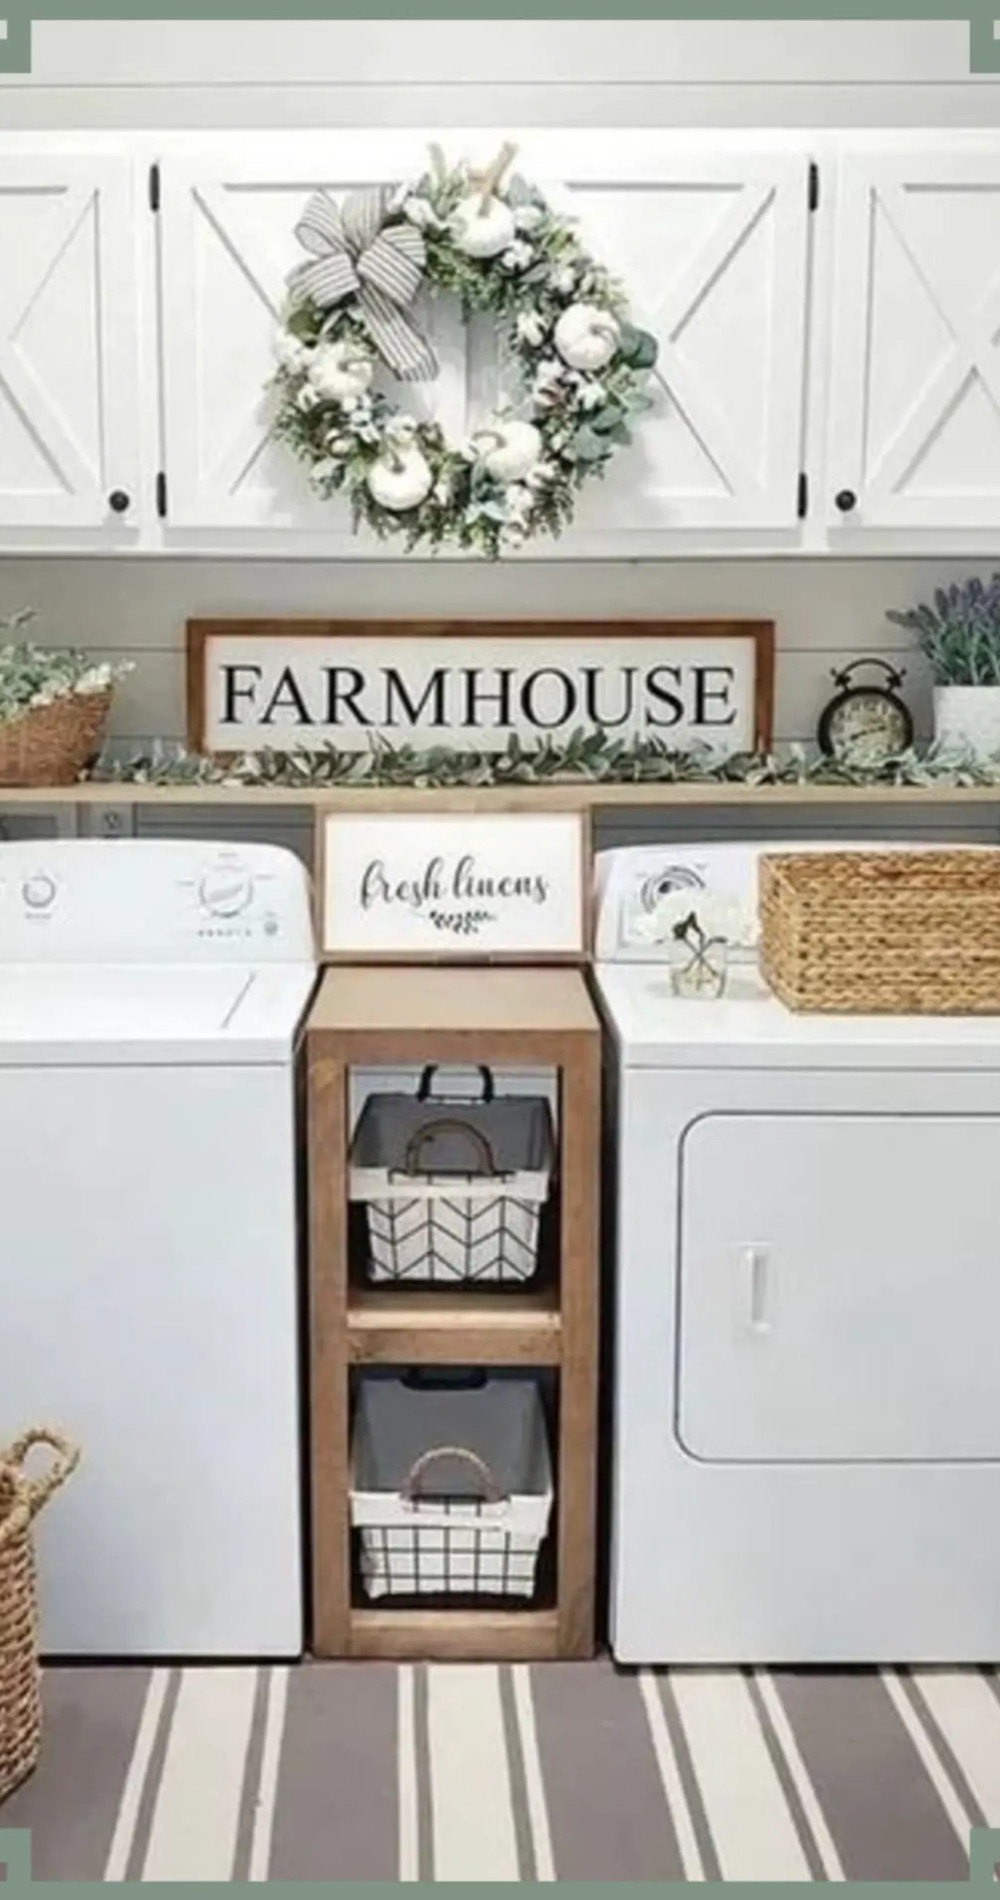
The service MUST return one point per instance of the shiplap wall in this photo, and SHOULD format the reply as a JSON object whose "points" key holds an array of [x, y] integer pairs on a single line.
{"points": [[103, 74]]}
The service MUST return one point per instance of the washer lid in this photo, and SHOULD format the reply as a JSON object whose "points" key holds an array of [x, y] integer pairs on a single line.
{"points": [[108, 1013], [749, 1028]]}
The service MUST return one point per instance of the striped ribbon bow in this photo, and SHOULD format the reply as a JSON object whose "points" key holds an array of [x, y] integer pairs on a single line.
{"points": [[353, 256]]}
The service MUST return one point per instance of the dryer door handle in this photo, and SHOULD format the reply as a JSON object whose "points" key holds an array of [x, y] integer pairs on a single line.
{"points": [[755, 1266]]}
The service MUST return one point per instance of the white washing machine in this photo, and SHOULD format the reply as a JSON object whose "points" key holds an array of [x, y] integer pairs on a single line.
{"points": [[806, 1459], [151, 995]]}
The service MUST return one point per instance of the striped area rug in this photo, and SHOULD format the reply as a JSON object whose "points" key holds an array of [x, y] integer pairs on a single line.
{"points": [[371, 1771]]}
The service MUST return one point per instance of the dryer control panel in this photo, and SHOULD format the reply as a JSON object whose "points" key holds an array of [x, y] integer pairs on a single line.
{"points": [[151, 901]]}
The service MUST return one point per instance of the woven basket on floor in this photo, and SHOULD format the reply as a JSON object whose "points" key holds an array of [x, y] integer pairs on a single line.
{"points": [[53, 745], [21, 1499], [883, 933]]}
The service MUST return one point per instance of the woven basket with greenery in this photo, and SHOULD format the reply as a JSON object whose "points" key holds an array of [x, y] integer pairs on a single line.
{"points": [[21, 1499], [54, 708], [891, 933]]}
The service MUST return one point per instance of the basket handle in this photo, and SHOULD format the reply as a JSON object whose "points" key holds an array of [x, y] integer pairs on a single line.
{"points": [[493, 1492], [454, 1124], [39, 1490], [424, 1085]]}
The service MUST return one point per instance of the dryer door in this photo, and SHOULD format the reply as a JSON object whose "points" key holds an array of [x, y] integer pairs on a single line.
{"points": [[839, 1288]]}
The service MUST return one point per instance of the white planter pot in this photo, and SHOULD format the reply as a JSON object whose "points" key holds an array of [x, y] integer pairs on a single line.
{"points": [[967, 719]]}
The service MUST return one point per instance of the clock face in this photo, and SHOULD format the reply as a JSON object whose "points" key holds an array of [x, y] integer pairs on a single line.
{"points": [[869, 723]]}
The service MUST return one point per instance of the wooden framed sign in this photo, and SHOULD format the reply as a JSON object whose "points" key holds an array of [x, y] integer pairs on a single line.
{"points": [[466, 887], [469, 686]]}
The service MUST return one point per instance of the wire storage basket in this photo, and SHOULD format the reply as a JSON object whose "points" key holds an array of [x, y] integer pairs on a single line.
{"points": [[21, 1499], [882, 932], [453, 1190], [451, 1486]]}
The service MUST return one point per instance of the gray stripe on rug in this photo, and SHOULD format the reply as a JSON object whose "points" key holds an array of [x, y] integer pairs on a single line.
{"points": [[251, 1778], [151, 1787], [608, 1814], [814, 1859], [689, 1781], [70, 1803], [336, 1814], [880, 1806], [527, 1869], [942, 1747], [422, 1762]]}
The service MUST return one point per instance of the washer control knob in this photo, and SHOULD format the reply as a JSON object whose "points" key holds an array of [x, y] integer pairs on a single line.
{"points": [[225, 893], [38, 891]]}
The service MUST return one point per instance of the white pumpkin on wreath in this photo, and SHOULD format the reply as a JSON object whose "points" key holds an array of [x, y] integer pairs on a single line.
{"points": [[581, 364]]}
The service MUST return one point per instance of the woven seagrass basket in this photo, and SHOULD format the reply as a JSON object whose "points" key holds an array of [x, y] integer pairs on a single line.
{"points": [[21, 1499], [890, 933], [53, 745]]}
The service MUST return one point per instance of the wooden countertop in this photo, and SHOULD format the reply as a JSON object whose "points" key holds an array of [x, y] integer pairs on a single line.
{"points": [[439, 998]]}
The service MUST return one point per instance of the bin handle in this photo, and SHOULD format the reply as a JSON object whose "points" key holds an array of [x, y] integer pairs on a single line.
{"points": [[424, 1085], [493, 1492], [454, 1124], [38, 1491]]}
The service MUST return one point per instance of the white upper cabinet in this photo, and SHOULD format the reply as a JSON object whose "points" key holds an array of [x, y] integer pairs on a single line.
{"points": [[708, 237], [228, 245], [914, 439], [828, 378], [711, 244], [69, 455]]}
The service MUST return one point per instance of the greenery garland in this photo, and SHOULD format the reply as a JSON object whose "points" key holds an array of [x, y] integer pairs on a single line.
{"points": [[578, 387], [589, 758]]}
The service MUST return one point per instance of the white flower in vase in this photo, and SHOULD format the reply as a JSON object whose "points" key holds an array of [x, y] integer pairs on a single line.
{"points": [[528, 217]]}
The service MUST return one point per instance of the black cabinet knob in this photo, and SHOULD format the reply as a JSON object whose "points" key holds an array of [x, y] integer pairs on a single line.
{"points": [[846, 500], [118, 501]]}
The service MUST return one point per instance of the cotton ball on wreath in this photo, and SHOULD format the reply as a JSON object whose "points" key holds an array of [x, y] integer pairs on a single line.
{"points": [[586, 336], [508, 450], [341, 371], [401, 478]]}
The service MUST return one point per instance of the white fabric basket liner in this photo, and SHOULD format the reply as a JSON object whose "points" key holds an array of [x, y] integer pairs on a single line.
{"points": [[453, 1188], [458, 1542]]}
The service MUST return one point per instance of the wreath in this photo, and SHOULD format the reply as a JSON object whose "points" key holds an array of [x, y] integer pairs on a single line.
{"points": [[580, 365]]}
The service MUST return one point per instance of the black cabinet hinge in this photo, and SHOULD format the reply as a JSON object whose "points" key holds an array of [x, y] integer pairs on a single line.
{"points": [[813, 187], [154, 188], [161, 495], [802, 505]]}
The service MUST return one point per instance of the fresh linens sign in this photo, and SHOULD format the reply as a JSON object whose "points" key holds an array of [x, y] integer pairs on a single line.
{"points": [[470, 686], [453, 886]]}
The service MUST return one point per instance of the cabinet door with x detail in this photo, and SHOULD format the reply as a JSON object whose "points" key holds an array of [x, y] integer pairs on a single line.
{"points": [[68, 318], [914, 438], [709, 238]]}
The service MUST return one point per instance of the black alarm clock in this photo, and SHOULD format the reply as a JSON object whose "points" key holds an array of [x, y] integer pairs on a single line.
{"points": [[866, 720]]}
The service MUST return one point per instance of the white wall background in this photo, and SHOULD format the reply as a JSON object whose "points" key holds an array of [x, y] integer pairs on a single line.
{"points": [[602, 73]]}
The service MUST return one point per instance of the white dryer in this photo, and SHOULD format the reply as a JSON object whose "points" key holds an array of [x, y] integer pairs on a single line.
{"points": [[151, 995], [806, 1458]]}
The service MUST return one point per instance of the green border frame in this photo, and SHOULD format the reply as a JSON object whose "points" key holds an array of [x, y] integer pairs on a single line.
{"points": [[984, 1867]]}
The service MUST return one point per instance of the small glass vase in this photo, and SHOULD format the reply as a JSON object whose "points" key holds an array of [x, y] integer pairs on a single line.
{"points": [[700, 974]]}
